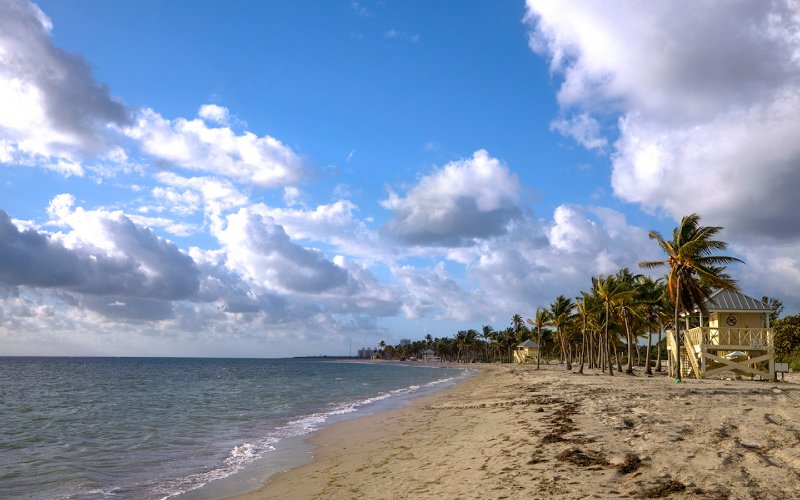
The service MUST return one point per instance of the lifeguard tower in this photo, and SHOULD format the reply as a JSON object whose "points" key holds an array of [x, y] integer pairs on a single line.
{"points": [[526, 352], [734, 337]]}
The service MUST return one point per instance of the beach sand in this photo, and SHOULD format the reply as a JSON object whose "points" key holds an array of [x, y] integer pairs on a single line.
{"points": [[515, 432]]}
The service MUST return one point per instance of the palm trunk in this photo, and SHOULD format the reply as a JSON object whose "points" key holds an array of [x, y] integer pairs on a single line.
{"points": [[658, 346], [583, 343], [647, 369], [564, 348], [629, 368], [539, 341], [677, 329], [608, 347]]}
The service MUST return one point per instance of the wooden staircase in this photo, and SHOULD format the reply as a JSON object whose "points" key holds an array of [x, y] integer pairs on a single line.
{"points": [[689, 363]]}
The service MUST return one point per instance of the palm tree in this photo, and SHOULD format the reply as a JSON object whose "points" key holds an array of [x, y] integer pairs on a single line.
{"points": [[560, 315], [486, 335], [608, 291], [625, 308], [585, 305], [648, 295], [539, 321], [693, 268], [517, 324]]}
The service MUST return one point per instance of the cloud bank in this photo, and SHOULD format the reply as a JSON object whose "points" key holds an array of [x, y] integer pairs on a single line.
{"points": [[706, 96]]}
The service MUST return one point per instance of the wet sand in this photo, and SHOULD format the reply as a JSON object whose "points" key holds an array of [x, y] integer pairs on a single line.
{"points": [[515, 432]]}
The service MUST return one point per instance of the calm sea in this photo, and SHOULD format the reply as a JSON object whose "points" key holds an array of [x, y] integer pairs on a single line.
{"points": [[158, 427]]}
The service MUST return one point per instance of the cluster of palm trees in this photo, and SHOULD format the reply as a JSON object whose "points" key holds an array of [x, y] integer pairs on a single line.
{"points": [[601, 327]]}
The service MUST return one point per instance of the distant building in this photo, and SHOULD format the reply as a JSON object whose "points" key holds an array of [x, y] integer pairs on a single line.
{"points": [[405, 341], [366, 352]]}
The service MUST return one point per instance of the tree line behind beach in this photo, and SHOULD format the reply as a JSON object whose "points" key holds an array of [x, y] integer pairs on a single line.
{"points": [[620, 319]]}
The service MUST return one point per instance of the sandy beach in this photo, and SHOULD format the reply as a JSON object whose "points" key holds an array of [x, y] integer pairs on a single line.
{"points": [[515, 432]]}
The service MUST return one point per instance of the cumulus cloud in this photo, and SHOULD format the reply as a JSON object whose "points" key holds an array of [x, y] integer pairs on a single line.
{"points": [[708, 107], [52, 105], [433, 293], [584, 129], [262, 252], [466, 200], [219, 150], [537, 260], [708, 98], [218, 195], [670, 64], [214, 113], [109, 255], [334, 224], [541, 259]]}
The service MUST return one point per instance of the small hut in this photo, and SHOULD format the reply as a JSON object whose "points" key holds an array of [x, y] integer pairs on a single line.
{"points": [[428, 355], [734, 337], [526, 352]]}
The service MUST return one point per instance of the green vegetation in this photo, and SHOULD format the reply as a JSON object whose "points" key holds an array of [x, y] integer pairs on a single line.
{"points": [[606, 325], [693, 267], [787, 340]]}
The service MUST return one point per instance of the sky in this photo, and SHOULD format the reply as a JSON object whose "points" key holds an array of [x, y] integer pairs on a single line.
{"points": [[283, 178]]}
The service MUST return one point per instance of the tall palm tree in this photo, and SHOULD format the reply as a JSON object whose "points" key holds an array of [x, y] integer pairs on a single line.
{"points": [[626, 308], [585, 305], [539, 321], [608, 291], [693, 268], [648, 295], [561, 313], [517, 324], [486, 335]]}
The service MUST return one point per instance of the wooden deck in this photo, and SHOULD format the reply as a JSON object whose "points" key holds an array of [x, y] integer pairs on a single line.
{"points": [[711, 351]]}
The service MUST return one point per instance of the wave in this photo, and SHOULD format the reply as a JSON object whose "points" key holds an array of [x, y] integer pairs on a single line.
{"points": [[245, 454]]}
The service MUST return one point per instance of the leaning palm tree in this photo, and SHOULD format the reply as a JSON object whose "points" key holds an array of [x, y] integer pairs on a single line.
{"points": [[693, 268]]}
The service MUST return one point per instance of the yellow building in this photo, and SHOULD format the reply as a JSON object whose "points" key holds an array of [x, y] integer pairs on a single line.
{"points": [[526, 352], [734, 337]]}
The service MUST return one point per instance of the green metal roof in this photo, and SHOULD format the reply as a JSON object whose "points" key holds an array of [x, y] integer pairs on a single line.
{"points": [[528, 343]]}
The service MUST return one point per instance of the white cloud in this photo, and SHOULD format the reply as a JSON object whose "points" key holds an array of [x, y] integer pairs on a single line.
{"points": [[214, 114], [584, 129], [708, 100], [333, 224], [263, 253], [433, 293], [393, 34], [52, 106], [184, 202], [218, 195], [103, 254], [360, 9], [193, 145], [466, 200]]}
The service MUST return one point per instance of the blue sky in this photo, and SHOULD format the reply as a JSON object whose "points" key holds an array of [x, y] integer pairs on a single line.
{"points": [[288, 178]]}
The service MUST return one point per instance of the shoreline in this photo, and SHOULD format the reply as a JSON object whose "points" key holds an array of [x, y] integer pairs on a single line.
{"points": [[511, 431], [325, 442]]}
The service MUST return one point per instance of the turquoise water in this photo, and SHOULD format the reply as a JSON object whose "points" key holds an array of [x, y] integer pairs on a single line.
{"points": [[157, 427]]}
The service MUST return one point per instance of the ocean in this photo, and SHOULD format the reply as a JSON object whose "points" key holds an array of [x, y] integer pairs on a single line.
{"points": [[178, 427]]}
